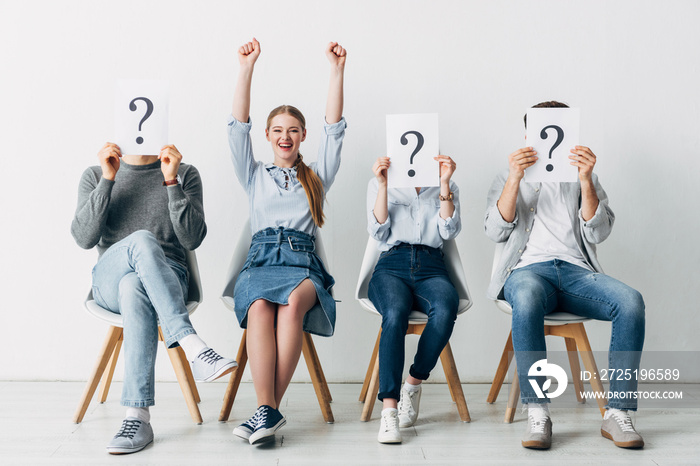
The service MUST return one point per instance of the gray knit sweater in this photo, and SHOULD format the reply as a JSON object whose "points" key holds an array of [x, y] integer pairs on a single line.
{"points": [[108, 211]]}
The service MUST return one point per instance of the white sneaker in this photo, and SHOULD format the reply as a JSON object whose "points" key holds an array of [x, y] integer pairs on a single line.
{"points": [[208, 365], [538, 434], [389, 427], [409, 403]]}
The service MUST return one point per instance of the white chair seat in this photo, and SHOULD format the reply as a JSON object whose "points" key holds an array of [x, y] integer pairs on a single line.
{"points": [[554, 318], [194, 296], [415, 317]]}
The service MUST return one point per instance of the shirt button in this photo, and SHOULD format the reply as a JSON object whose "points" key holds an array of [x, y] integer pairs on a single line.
{"points": [[520, 250], [537, 190], [508, 269], [532, 209], [527, 230]]}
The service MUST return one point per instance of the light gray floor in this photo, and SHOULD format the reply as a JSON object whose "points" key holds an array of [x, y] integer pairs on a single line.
{"points": [[36, 428]]}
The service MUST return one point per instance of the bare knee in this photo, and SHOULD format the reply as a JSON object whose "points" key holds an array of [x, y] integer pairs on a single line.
{"points": [[301, 300], [262, 311]]}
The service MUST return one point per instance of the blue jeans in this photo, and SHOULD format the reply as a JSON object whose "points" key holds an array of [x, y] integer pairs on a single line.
{"points": [[135, 279], [411, 277], [538, 289]]}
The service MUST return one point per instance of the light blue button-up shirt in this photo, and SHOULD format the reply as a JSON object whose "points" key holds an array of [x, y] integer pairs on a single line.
{"points": [[276, 198], [414, 218]]}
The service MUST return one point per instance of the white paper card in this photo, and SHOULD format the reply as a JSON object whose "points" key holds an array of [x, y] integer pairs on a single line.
{"points": [[553, 132], [412, 140], [141, 116]]}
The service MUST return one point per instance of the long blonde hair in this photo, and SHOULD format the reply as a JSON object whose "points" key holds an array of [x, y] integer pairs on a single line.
{"points": [[309, 180]]}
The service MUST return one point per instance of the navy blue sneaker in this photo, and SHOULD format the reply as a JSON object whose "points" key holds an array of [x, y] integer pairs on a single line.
{"points": [[267, 421], [246, 429]]}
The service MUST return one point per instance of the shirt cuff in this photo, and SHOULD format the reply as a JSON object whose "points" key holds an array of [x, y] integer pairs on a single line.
{"points": [[239, 125], [377, 228], [175, 193], [335, 128], [594, 221]]}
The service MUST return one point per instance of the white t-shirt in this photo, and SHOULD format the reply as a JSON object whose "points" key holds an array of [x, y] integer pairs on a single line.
{"points": [[552, 236]]}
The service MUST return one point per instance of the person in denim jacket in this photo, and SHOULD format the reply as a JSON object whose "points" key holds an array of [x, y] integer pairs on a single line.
{"points": [[410, 225]]}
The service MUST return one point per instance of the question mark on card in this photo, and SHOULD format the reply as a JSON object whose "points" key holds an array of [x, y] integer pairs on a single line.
{"points": [[560, 138], [149, 110], [419, 146]]}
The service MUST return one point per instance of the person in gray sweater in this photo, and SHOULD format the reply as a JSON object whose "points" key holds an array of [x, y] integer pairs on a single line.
{"points": [[143, 213]]}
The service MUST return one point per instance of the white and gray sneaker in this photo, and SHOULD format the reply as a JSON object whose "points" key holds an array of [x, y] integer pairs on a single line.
{"points": [[539, 430], [246, 429], [617, 426], [208, 365], [389, 427], [133, 436], [409, 403]]}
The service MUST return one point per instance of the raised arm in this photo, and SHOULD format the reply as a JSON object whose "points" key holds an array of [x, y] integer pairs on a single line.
{"points": [[247, 55], [184, 199], [93, 198], [518, 161], [381, 210], [334, 104]]}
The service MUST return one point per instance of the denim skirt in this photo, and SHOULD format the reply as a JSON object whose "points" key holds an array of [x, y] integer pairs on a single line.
{"points": [[279, 259]]}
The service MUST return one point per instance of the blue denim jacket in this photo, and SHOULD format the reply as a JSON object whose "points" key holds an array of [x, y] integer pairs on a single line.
{"points": [[517, 233]]}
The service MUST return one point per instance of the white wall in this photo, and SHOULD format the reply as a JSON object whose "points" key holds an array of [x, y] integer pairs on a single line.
{"points": [[632, 66]]}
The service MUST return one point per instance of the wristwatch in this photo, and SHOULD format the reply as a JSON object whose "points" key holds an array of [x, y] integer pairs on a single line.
{"points": [[449, 197], [172, 182]]}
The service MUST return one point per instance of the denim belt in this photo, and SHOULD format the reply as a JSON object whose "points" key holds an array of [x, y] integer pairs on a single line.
{"points": [[296, 239]]}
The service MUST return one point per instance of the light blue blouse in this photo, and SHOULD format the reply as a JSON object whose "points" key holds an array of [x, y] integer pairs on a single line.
{"points": [[413, 218], [276, 198]]}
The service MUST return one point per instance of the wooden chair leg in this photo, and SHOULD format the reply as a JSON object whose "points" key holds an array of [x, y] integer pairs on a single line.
{"points": [[589, 363], [322, 377], [188, 372], [113, 336], [235, 380], [107, 378], [513, 397], [572, 353], [453, 382], [370, 366], [191, 381], [314, 366], [502, 370], [372, 391], [179, 361]]}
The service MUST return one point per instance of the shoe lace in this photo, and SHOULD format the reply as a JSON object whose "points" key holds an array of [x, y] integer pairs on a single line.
{"points": [[209, 356], [406, 402], [537, 422], [259, 418], [390, 422], [129, 428], [624, 421]]}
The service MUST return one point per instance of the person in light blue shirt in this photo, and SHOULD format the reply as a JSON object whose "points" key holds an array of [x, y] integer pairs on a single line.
{"points": [[410, 225], [284, 288]]}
